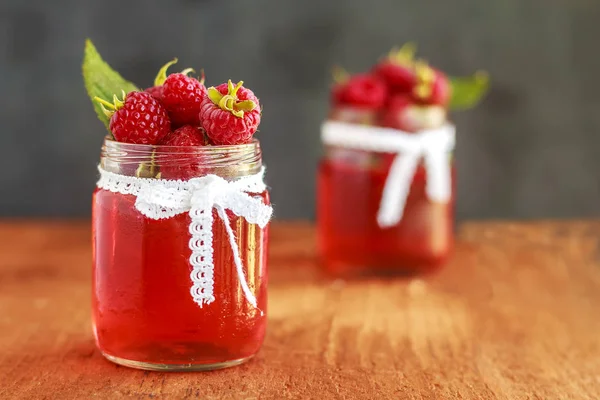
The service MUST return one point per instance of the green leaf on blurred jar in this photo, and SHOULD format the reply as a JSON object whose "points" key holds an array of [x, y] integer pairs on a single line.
{"points": [[101, 80], [467, 92]]}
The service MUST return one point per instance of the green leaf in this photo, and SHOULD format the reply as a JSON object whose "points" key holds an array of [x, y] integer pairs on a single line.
{"points": [[101, 80], [467, 92]]}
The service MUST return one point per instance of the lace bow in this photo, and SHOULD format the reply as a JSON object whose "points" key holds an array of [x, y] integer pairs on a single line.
{"points": [[159, 198], [433, 146]]}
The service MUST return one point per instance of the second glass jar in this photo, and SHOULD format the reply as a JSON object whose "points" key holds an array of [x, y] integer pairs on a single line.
{"points": [[350, 187]]}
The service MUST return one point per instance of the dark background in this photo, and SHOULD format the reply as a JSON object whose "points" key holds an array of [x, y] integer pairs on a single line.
{"points": [[529, 151]]}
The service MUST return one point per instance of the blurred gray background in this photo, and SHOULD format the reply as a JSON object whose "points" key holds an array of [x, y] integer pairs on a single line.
{"points": [[529, 151]]}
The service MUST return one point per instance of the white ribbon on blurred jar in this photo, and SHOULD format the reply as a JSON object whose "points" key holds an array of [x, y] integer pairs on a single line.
{"points": [[432, 145], [161, 198]]}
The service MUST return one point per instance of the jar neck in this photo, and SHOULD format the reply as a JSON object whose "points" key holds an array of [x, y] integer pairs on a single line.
{"points": [[147, 161]]}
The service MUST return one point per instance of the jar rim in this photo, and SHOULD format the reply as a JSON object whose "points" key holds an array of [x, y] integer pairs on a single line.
{"points": [[211, 148], [223, 160]]}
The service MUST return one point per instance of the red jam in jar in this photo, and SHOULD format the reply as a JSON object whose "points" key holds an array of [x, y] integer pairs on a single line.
{"points": [[351, 242], [144, 314]]}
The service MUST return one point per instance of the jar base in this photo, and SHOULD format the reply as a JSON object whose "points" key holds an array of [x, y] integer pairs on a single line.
{"points": [[346, 270], [175, 367]]}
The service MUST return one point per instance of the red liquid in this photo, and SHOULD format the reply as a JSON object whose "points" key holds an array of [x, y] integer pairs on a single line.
{"points": [[350, 240], [142, 307]]}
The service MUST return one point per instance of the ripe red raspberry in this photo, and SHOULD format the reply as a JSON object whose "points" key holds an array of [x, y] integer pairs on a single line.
{"points": [[156, 92], [404, 114], [177, 163], [362, 91], [181, 95], [230, 114], [397, 69], [432, 86], [187, 135], [139, 119]]}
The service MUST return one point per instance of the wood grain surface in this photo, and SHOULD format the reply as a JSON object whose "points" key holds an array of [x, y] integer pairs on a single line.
{"points": [[514, 315]]}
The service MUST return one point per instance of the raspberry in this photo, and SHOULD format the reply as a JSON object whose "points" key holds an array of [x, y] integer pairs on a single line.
{"points": [[187, 135], [181, 95], [156, 92], [230, 114], [182, 164], [139, 119], [397, 69], [402, 113], [393, 116], [362, 90], [432, 86], [442, 90]]}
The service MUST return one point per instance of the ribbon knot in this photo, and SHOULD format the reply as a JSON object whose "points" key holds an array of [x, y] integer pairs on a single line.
{"points": [[433, 146], [158, 198], [205, 190]]}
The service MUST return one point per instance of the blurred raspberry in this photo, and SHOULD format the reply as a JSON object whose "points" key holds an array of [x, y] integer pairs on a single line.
{"points": [[397, 71], [361, 90]]}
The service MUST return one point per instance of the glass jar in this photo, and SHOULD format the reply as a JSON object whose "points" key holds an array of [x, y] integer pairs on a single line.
{"points": [[150, 306], [350, 188]]}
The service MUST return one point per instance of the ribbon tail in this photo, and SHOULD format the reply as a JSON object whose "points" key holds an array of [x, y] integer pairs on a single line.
{"points": [[236, 256], [253, 209], [439, 177], [437, 163], [396, 189], [201, 259]]}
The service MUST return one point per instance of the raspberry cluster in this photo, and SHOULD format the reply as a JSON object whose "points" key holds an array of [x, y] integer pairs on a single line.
{"points": [[178, 110], [399, 92]]}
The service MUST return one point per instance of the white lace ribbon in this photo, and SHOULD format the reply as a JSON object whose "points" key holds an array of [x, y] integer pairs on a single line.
{"points": [[432, 145], [160, 198]]}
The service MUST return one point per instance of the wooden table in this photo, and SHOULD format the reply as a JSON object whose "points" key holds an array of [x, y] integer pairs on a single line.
{"points": [[515, 315]]}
